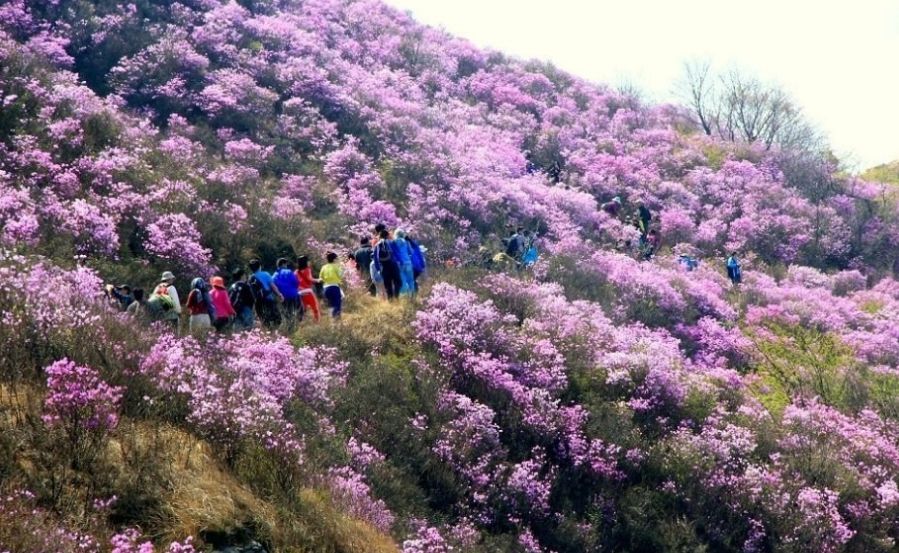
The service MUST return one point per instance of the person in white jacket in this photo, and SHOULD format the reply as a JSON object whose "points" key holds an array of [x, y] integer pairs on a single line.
{"points": [[167, 286]]}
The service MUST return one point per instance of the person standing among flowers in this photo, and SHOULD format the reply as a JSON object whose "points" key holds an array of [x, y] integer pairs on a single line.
{"points": [[171, 312], [403, 253], [200, 307], [223, 310], [734, 271], [331, 276]]}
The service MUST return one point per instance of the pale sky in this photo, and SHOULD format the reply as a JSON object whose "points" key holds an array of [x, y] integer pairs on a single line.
{"points": [[837, 58]]}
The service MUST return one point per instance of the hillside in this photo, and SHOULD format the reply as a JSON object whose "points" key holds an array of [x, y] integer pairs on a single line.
{"points": [[594, 402]]}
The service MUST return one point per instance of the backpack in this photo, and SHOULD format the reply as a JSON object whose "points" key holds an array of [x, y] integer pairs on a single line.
{"points": [[159, 304], [384, 253], [258, 290]]}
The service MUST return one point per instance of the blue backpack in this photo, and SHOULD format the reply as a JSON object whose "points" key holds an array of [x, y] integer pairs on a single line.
{"points": [[418, 257]]}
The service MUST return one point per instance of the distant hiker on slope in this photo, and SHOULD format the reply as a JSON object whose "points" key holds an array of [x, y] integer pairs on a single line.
{"points": [[644, 218], [243, 299], [307, 287], [121, 295], [734, 271], [331, 276], [224, 311], [613, 208], [200, 307]]}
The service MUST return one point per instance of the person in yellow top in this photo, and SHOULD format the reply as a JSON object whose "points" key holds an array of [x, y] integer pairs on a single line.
{"points": [[331, 276]]}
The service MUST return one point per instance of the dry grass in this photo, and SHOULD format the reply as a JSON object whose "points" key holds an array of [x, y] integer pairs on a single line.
{"points": [[195, 493]]}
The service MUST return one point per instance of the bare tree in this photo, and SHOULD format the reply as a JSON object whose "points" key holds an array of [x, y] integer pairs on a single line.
{"points": [[738, 107]]}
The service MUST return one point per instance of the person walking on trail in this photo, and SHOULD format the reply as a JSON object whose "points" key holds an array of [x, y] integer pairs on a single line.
{"points": [[267, 304], [286, 282], [223, 309], [331, 276], [200, 307], [363, 258], [386, 265], [403, 252], [613, 208], [734, 271], [243, 299], [419, 263], [169, 307], [307, 287], [137, 309]]}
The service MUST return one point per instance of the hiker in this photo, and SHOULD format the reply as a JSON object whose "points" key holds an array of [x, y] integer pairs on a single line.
{"points": [[267, 302], [530, 255], [734, 271], [363, 258], [385, 263], [513, 243], [137, 309], [331, 275], [286, 282], [613, 208], [403, 252], [200, 307], [419, 264], [644, 218], [688, 262], [166, 308], [243, 299], [120, 295], [223, 310], [651, 244], [307, 287]]}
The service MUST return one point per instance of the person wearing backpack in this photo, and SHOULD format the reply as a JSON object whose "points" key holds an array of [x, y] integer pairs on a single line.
{"points": [[331, 276], [385, 264], [286, 282], [200, 307], [166, 303], [137, 309], [243, 300], [363, 258], [268, 295], [307, 287], [223, 310]]}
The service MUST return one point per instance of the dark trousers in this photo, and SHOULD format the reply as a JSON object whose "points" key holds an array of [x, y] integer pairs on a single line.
{"points": [[392, 280], [335, 300]]}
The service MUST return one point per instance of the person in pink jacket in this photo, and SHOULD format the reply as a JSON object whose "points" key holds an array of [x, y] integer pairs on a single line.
{"points": [[224, 311]]}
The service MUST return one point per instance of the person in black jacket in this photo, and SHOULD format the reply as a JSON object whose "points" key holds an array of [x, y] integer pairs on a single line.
{"points": [[244, 301], [363, 258]]}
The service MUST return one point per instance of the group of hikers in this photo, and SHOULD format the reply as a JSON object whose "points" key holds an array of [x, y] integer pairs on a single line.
{"points": [[641, 219], [519, 250], [650, 239], [388, 263]]}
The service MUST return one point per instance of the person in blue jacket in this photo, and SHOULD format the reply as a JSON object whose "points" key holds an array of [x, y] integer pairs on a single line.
{"points": [[734, 272], [403, 252]]}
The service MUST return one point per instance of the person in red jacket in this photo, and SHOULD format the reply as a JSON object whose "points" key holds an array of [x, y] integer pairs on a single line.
{"points": [[307, 287], [221, 303]]}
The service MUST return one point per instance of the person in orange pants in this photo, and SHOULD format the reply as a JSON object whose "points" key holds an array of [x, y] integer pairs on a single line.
{"points": [[307, 287]]}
